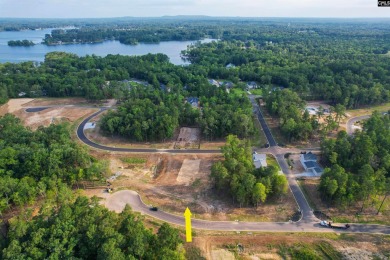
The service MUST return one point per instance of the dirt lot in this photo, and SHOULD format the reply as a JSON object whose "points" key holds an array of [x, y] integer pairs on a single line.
{"points": [[173, 182], [277, 245], [45, 117], [14, 105], [346, 215], [188, 138]]}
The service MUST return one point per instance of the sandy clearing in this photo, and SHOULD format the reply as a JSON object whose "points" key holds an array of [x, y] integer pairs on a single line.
{"points": [[222, 254], [52, 115], [188, 172], [14, 105]]}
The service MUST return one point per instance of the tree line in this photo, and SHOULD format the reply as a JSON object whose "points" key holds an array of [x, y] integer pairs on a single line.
{"points": [[236, 175], [359, 165]]}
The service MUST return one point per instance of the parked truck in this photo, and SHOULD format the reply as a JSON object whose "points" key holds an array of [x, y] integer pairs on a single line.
{"points": [[329, 224]]}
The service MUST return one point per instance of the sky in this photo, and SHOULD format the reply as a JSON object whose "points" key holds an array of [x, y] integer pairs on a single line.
{"points": [[156, 8]]}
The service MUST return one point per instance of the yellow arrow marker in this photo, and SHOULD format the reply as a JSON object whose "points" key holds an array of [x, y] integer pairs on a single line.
{"points": [[187, 215]]}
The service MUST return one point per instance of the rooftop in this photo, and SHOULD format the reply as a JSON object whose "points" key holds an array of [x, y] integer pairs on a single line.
{"points": [[259, 160], [311, 164], [310, 157]]}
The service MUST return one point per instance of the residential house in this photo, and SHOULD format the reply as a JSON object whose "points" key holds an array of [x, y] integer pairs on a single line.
{"points": [[259, 160], [214, 83], [309, 162], [228, 84], [251, 85], [194, 101]]}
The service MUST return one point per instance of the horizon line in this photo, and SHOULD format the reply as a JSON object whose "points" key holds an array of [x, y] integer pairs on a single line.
{"points": [[201, 16]]}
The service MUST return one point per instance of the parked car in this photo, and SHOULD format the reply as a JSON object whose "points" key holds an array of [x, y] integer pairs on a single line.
{"points": [[153, 208]]}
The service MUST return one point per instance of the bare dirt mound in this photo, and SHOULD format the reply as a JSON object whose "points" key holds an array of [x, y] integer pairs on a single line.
{"points": [[188, 172]]}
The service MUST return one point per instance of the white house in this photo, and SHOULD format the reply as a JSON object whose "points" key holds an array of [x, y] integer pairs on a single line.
{"points": [[259, 160]]}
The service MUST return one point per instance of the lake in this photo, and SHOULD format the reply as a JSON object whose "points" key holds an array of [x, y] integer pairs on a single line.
{"points": [[37, 53]]}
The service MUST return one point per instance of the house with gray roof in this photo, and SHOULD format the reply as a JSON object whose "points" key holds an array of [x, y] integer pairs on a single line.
{"points": [[194, 102], [309, 162], [214, 82], [251, 85]]}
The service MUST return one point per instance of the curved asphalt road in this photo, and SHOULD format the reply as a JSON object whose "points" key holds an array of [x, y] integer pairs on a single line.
{"points": [[84, 139], [118, 200]]}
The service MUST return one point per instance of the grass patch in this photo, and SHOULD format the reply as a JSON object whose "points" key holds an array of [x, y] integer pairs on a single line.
{"points": [[302, 251], [273, 124], [271, 161], [194, 253], [258, 139], [328, 250], [133, 160], [257, 91], [197, 183], [238, 92], [322, 250], [368, 110], [308, 198]]}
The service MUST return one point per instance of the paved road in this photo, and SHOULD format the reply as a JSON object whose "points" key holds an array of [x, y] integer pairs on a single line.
{"points": [[118, 200], [352, 121], [84, 139], [278, 152], [267, 131]]}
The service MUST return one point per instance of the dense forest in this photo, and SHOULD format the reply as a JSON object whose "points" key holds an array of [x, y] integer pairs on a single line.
{"points": [[83, 229], [38, 164], [37, 169], [359, 165], [348, 72], [130, 36], [236, 175]]}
